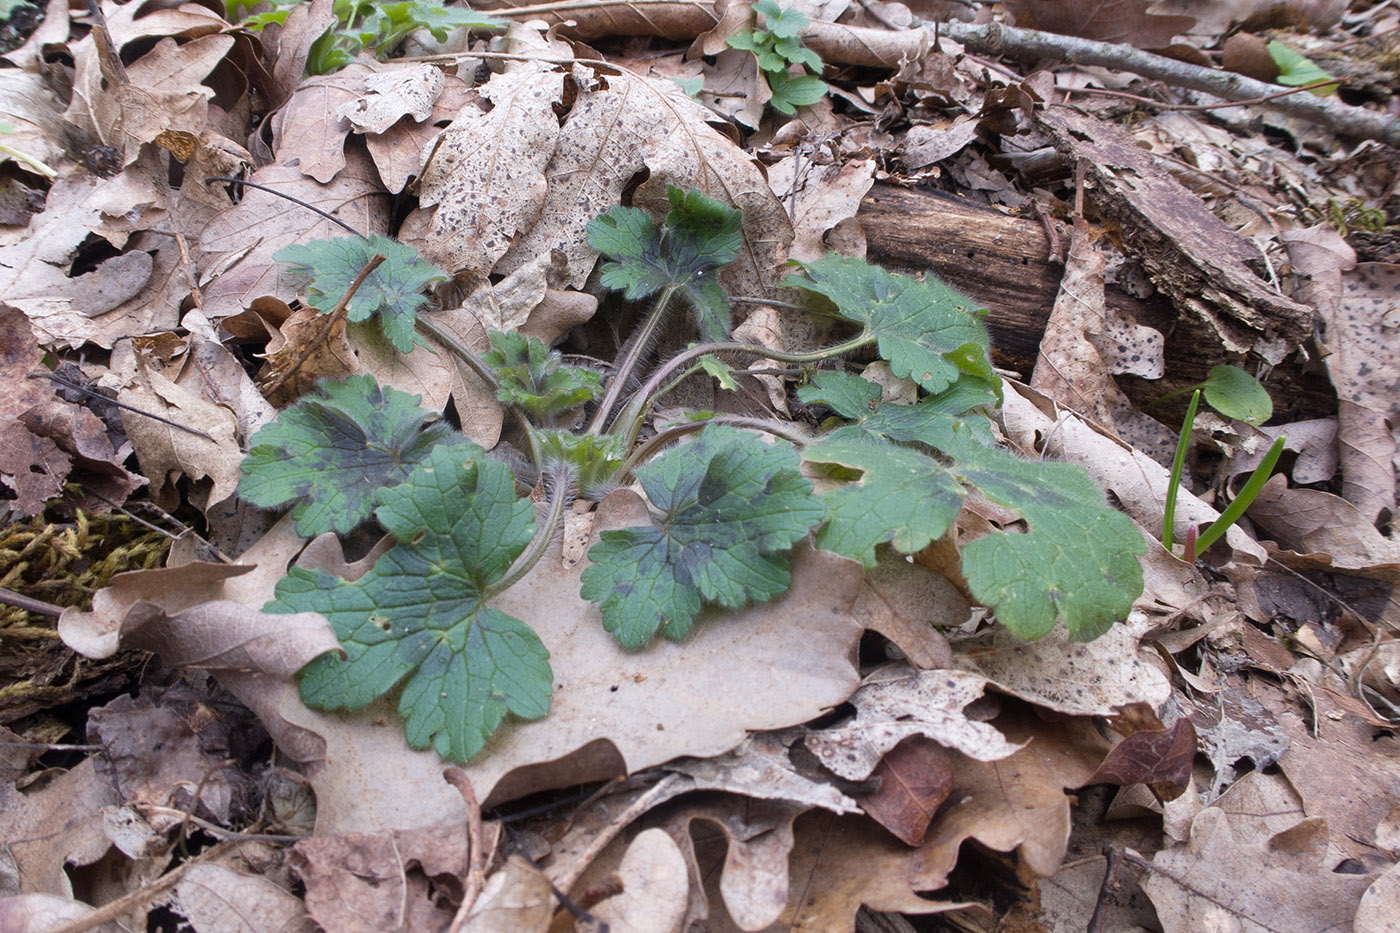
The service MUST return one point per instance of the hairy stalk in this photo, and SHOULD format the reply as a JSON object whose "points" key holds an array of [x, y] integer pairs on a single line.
{"points": [[560, 485], [654, 445], [656, 386], [641, 343]]}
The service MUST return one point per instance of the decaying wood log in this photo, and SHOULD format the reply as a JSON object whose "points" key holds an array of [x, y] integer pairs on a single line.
{"points": [[1003, 262]]}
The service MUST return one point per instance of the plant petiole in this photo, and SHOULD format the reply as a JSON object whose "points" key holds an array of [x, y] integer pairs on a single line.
{"points": [[1178, 463]]}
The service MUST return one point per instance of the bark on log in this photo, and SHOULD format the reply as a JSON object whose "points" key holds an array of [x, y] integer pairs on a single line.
{"points": [[1003, 262]]}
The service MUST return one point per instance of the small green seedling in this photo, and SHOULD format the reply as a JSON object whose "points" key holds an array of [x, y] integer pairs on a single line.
{"points": [[366, 25], [725, 505], [778, 47], [1297, 70], [1235, 394]]}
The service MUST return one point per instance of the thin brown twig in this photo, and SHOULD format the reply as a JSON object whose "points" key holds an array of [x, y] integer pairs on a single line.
{"points": [[146, 893], [1183, 108], [475, 876], [29, 604], [1107, 887], [54, 377]]}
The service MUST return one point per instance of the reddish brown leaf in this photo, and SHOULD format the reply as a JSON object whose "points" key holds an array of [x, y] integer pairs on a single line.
{"points": [[915, 778], [1160, 759]]}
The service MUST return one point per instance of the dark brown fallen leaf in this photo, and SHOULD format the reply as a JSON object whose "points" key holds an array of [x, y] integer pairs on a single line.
{"points": [[1161, 759], [915, 777]]}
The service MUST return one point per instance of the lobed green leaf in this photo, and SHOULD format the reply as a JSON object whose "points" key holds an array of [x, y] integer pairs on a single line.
{"points": [[730, 506], [392, 292], [420, 617], [534, 377], [925, 330], [334, 448]]}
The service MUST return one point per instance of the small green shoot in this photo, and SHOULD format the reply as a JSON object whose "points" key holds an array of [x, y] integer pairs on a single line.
{"points": [[534, 378], [778, 47], [1297, 70], [1198, 544], [392, 292], [366, 25]]}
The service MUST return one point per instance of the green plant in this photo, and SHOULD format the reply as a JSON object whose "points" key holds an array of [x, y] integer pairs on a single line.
{"points": [[1235, 394], [778, 47], [365, 25], [1297, 70], [726, 504]]}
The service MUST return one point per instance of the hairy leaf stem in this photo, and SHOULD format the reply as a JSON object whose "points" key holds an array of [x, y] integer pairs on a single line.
{"points": [[631, 416], [462, 350], [560, 484], [640, 344], [655, 445]]}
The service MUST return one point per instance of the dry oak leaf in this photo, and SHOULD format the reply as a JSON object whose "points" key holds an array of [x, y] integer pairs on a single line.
{"points": [[162, 93], [655, 887], [309, 131], [1077, 678], [165, 452], [54, 823], [824, 199], [65, 310], [611, 712], [896, 703], [749, 874], [1217, 882], [247, 234], [843, 862]]}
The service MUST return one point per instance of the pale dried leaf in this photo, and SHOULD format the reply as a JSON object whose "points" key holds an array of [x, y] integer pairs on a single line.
{"points": [[1216, 882], [896, 703], [261, 224], [309, 130], [654, 887], [819, 197], [487, 174], [216, 899], [517, 898], [1082, 678]]}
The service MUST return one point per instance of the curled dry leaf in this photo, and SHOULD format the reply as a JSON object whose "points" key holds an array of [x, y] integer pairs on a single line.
{"points": [[378, 882], [215, 897], [750, 874], [821, 198], [68, 310]]}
